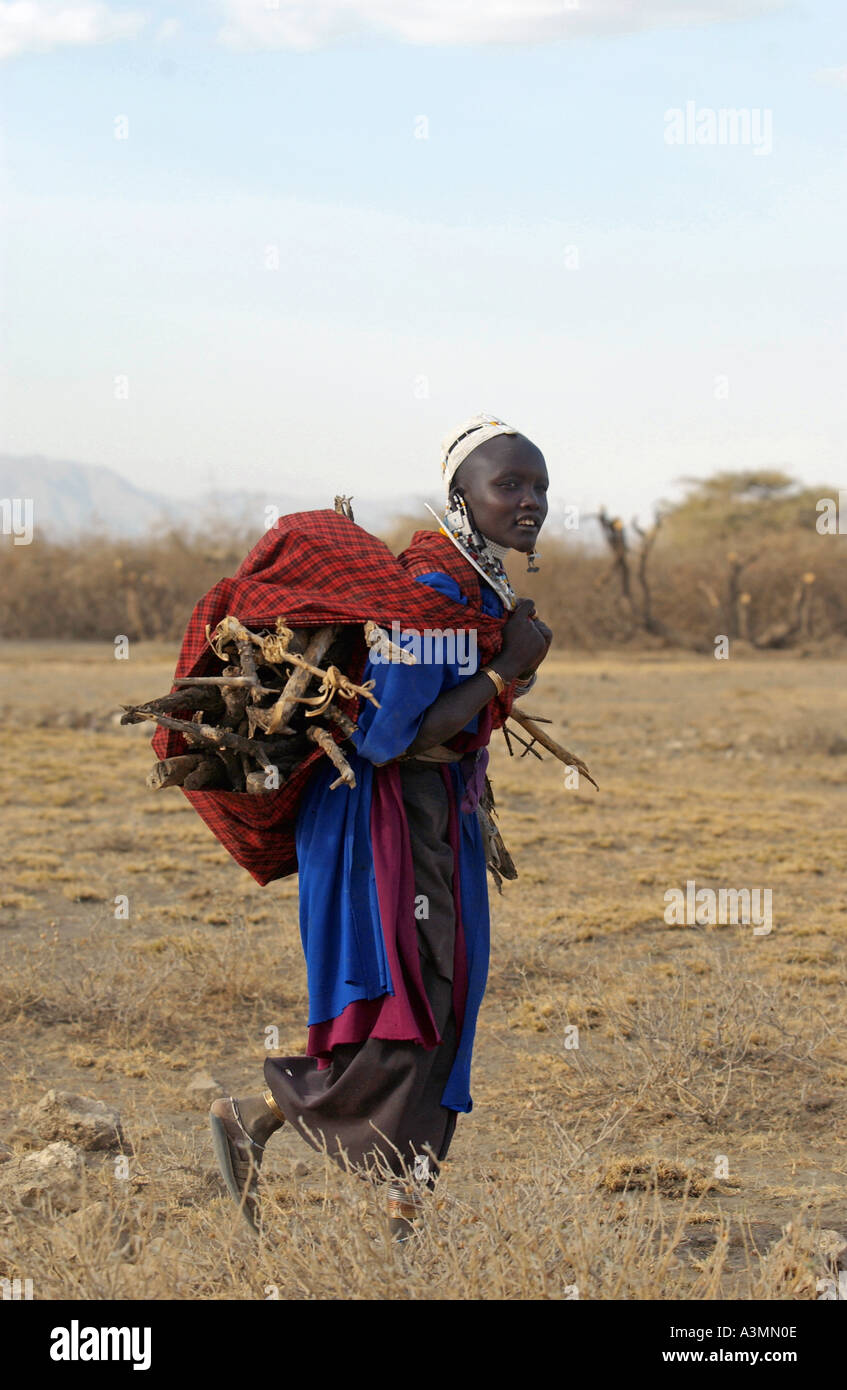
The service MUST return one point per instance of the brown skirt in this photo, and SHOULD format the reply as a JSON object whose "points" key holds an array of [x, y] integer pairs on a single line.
{"points": [[377, 1107]]}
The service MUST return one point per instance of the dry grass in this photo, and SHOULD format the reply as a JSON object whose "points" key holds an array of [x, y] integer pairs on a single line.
{"points": [[691, 1145]]}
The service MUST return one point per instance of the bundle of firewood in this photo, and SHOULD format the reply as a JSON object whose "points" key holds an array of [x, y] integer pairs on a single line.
{"points": [[274, 700], [251, 726]]}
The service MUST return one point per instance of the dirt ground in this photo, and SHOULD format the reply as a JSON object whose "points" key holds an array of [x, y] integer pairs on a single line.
{"points": [[659, 1110]]}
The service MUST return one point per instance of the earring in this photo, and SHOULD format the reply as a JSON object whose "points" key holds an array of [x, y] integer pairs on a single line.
{"points": [[530, 567], [459, 517]]}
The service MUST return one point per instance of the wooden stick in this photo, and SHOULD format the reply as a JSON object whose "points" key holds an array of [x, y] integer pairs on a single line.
{"points": [[171, 772], [342, 720], [259, 718], [188, 698], [209, 774], [235, 702], [302, 663], [207, 734], [570, 759], [379, 642], [527, 747], [232, 762], [234, 681], [297, 682], [256, 783], [247, 658], [325, 741]]}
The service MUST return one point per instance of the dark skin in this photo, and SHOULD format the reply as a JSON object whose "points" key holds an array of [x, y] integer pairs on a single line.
{"points": [[502, 481]]}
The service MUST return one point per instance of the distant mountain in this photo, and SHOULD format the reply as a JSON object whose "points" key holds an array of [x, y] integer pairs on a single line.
{"points": [[70, 498]]}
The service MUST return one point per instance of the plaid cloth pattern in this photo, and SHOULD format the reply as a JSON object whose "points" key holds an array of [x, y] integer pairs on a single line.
{"points": [[313, 568]]}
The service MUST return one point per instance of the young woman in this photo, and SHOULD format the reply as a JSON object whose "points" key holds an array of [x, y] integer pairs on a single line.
{"points": [[393, 891]]}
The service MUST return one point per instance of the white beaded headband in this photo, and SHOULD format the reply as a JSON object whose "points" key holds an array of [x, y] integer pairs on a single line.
{"points": [[455, 447]]}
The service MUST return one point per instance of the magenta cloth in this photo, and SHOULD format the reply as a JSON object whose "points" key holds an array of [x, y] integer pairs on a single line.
{"points": [[475, 769]]}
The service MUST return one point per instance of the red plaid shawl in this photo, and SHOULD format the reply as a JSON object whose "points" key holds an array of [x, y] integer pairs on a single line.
{"points": [[312, 568]]}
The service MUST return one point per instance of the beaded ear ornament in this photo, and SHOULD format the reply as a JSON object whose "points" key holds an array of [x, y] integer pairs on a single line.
{"points": [[458, 525]]}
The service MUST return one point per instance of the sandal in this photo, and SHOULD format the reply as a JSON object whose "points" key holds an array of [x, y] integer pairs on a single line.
{"points": [[239, 1161]]}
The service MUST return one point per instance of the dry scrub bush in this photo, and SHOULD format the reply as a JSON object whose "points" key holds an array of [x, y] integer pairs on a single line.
{"points": [[579, 594], [97, 587]]}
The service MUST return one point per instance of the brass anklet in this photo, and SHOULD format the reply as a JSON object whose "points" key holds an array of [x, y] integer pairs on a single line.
{"points": [[403, 1203], [268, 1098]]}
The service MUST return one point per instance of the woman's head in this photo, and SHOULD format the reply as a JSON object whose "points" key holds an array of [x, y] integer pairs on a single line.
{"points": [[503, 480]]}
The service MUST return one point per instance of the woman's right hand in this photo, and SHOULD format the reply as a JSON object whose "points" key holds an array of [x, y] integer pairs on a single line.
{"points": [[524, 645]]}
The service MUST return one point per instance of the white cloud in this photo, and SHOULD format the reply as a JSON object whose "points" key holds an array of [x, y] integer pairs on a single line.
{"points": [[306, 24], [35, 25]]}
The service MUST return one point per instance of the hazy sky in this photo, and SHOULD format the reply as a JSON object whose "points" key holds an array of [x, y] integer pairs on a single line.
{"points": [[314, 236]]}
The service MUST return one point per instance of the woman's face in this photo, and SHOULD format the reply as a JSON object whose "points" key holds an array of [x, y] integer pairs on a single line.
{"points": [[504, 482]]}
